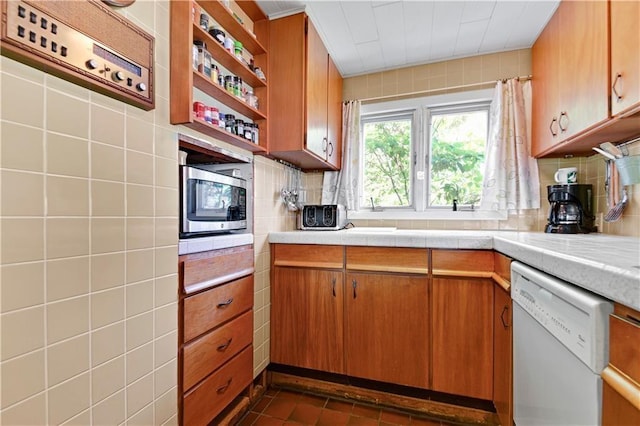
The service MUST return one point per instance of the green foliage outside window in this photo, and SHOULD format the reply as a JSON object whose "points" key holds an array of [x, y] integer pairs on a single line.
{"points": [[457, 146], [387, 166], [457, 157]]}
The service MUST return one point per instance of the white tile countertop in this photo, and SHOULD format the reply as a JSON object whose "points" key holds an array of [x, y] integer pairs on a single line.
{"points": [[604, 264]]}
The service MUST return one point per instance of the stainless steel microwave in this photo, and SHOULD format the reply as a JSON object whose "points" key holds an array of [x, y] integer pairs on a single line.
{"points": [[211, 202]]}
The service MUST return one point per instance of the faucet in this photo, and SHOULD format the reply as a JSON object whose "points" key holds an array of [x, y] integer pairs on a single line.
{"points": [[455, 205], [375, 208]]}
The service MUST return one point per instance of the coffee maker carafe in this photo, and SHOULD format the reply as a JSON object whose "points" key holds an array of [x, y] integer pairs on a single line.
{"points": [[571, 209]]}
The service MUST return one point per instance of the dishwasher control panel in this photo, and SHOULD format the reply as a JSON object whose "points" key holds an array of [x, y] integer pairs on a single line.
{"points": [[572, 315]]}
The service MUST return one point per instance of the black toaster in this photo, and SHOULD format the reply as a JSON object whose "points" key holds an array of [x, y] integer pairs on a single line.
{"points": [[323, 217]]}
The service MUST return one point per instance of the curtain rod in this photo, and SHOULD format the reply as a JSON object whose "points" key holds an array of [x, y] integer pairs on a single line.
{"points": [[425, 92]]}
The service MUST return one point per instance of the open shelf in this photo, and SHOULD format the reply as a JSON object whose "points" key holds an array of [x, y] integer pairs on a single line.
{"points": [[184, 79], [221, 134], [215, 90], [231, 25], [227, 59]]}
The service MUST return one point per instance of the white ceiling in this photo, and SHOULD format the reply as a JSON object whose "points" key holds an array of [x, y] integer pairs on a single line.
{"points": [[365, 36]]}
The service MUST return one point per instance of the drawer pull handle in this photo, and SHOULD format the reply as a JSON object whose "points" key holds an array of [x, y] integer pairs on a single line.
{"points": [[504, 323], [225, 303], [333, 287], [224, 346], [354, 284], [223, 388], [635, 321]]}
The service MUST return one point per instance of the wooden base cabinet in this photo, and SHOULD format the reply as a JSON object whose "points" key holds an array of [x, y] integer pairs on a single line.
{"points": [[462, 323], [502, 356], [306, 316], [386, 330], [408, 316], [215, 351], [621, 388]]}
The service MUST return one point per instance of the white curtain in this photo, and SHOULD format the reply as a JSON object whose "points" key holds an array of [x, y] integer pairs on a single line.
{"points": [[342, 187], [511, 174]]}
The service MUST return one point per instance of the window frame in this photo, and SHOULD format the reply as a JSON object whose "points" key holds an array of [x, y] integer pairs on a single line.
{"points": [[421, 107], [389, 116], [437, 110]]}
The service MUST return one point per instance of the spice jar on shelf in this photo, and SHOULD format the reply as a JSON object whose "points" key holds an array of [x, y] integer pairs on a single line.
{"points": [[217, 34], [260, 74], [237, 49], [228, 44], [239, 128], [229, 84], [230, 122], [204, 21]]}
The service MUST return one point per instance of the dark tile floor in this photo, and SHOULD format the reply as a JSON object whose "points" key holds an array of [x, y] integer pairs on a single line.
{"points": [[285, 407]]}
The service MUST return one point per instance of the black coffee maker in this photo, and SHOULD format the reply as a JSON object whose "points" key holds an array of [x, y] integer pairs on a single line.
{"points": [[571, 209]]}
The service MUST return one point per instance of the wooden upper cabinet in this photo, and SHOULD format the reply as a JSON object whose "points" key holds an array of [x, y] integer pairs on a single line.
{"points": [[584, 65], [317, 92], [625, 57], [570, 74], [306, 92], [545, 81]]}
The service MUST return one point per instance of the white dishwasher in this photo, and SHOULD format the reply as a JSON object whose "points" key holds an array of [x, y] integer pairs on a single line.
{"points": [[560, 347]]}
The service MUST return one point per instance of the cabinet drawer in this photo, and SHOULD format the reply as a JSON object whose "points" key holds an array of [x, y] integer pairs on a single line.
{"points": [[206, 269], [307, 255], [211, 396], [624, 347], [462, 263], [208, 353], [386, 259], [207, 310]]}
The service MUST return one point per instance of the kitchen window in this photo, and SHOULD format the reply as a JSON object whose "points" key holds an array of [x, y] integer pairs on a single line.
{"points": [[419, 155]]}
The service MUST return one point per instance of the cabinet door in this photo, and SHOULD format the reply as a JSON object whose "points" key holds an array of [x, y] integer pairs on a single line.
{"points": [[334, 116], [617, 410], [462, 336], [317, 76], [387, 334], [306, 311], [584, 66], [545, 98], [502, 360], [625, 56]]}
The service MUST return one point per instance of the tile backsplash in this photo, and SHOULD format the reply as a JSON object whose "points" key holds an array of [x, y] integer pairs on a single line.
{"points": [[88, 260]]}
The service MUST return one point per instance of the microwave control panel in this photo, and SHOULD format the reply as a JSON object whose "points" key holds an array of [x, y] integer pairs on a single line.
{"points": [[52, 43]]}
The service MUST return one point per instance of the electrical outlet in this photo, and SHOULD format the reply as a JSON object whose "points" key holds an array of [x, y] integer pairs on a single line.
{"points": [[600, 221]]}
